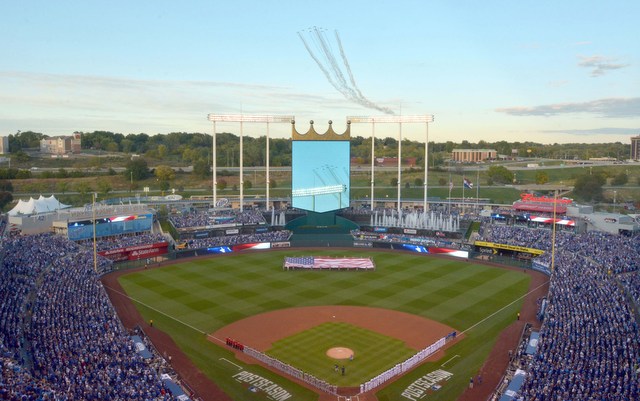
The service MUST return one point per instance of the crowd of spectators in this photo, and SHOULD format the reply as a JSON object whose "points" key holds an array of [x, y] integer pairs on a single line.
{"points": [[538, 238], [16, 383], [442, 209], [60, 337], [195, 218], [271, 236], [631, 284], [123, 241], [588, 347], [250, 217], [405, 239], [618, 253]]}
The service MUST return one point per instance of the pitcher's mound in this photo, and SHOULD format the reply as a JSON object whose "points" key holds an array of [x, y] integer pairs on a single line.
{"points": [[339, 353]]}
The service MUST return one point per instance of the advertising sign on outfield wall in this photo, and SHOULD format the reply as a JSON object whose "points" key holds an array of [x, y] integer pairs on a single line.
{"points": [[136, 252]]}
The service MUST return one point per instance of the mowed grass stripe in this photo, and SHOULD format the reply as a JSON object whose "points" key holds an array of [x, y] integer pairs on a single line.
{"points": [[432, 297], [211, 293], [464, 304], [454, 281]]}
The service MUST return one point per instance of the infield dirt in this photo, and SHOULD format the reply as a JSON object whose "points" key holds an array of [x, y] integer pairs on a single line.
{"points": [[492, 370], [260, 331]]}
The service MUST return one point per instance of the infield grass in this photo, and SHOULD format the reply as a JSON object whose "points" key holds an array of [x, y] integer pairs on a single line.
{"points": [[307, 351], [196, 297]]}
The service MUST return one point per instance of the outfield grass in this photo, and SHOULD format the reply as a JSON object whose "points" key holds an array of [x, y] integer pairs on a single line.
{"points": [[201, 296]]}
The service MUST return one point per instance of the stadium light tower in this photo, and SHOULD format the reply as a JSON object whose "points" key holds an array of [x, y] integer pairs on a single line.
{"points": [[422, 118], [243, 118]]}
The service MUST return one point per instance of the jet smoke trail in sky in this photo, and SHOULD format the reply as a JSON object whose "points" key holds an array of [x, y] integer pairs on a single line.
{"points": [[328, 64]]}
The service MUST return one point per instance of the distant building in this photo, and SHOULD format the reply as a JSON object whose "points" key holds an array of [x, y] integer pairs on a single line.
{"points": [[60, 145], [473, 155], [4, 145], [635, 148], [76, 142]]}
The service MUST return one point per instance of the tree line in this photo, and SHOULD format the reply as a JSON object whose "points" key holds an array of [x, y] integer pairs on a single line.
{"points": [[190, 148]]}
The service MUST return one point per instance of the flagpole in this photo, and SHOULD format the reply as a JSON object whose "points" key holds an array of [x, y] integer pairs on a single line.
{"points": [[553, 231], [95, 248], [477, 189], [463, 178], [450, 188]]}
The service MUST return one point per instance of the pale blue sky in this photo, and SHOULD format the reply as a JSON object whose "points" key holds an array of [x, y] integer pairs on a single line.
{"points": [[546, 71]]}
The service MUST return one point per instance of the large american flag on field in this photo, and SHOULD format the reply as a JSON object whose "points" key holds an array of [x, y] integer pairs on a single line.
{"points": [[321, 262]]}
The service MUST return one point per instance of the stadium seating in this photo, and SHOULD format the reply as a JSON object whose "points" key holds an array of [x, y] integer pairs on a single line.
{"points": [[123, 241], [588, 347], [197, 219], [588, 344], [60, 337]]}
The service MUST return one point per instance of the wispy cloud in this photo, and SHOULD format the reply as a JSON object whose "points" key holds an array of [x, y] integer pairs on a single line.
{"points": [[58, 103], [596, 131], [72, 81], [599, 65], [610, 107]]}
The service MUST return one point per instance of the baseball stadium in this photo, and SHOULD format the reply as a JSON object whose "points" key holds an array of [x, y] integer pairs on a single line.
{"points": [[318, 296]]}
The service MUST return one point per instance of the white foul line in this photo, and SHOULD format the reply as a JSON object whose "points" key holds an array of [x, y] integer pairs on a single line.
{"points": [[450, 359], [226, 360], [155, 310], [503, 308]]}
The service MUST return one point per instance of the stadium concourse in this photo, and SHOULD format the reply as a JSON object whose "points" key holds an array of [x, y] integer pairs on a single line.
{"points": [[587, 346]]}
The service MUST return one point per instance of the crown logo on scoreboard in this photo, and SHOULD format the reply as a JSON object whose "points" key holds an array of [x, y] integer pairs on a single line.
{"points": [[312, 135]]}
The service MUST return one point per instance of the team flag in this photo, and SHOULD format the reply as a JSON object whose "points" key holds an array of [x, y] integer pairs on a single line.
{"points": [[467, 183]]}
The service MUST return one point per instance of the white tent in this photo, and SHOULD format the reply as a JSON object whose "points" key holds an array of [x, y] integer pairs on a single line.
{"points": [[36, 206]]}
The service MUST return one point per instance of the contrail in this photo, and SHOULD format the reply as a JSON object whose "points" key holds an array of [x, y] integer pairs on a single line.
{"points": [[324, 71], [333, 71], [346, 64], [337, 73], [353, 81], [321, 43], [336, 77]]}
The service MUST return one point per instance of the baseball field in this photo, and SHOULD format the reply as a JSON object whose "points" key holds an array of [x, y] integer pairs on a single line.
{"points": [[198, 302]]}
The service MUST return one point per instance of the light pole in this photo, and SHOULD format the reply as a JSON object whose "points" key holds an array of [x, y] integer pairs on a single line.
{"points": [[615, 193], [553, 230], [95, 246], [426, 118], [399, 166], [242, 118], [426, 164], [373, 156]]}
